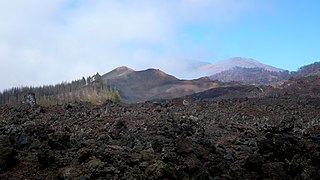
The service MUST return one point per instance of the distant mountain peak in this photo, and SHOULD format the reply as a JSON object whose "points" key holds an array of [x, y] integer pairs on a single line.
{"points": [[240, 60], [251, 75], [230, 63], [119, 71], [123, 68]]}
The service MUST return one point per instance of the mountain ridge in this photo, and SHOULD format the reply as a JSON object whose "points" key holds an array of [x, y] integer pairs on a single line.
{"points": [[144, 85], [227, 64], [140, 86], [251, 75]]}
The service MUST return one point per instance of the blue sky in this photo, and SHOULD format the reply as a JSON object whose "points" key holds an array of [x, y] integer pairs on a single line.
{"points": [[285, 36], [47, 42]]}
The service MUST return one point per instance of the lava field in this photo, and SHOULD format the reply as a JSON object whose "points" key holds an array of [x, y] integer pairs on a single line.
{"points": [[237, 138]]}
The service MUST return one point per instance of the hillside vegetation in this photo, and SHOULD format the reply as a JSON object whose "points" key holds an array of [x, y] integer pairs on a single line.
{"points": [[91, 89]]}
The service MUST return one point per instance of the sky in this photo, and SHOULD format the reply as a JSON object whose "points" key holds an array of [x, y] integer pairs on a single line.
{"points": [[47, 42]]}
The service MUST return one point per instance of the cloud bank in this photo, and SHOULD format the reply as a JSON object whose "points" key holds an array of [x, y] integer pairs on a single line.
{"points": [[46, 42]]}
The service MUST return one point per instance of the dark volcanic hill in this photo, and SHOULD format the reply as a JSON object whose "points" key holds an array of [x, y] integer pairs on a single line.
{"points": [[237, 91], [308, 70], [308, 86], [139, 86]]}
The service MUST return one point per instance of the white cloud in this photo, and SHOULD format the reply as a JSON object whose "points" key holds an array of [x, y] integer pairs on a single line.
{"points": [[45, 42]]}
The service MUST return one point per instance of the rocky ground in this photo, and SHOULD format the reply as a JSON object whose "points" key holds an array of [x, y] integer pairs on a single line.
{"points": [[240, 138]]}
